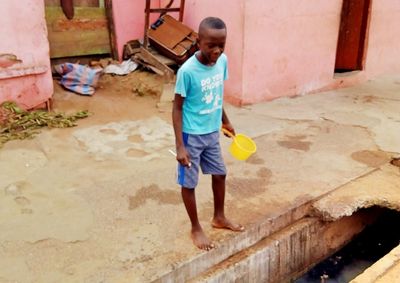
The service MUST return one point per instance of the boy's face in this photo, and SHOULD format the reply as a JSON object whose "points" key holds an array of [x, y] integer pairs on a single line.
{"points": [[212, 44]]}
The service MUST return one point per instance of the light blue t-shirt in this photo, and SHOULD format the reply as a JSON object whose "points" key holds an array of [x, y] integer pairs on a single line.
{"points": [[203, 89]]}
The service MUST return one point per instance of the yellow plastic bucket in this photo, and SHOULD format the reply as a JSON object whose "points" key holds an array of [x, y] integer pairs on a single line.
{"points": [[242, 147]]}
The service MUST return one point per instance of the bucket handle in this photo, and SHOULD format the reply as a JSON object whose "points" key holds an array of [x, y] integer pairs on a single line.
{"points": [[226, 132]]}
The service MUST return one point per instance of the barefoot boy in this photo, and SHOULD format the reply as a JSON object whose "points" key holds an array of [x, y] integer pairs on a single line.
{"points": [[197, 116]]}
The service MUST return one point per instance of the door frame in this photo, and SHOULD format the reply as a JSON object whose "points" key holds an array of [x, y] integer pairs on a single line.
{"points": [[364, 37]]}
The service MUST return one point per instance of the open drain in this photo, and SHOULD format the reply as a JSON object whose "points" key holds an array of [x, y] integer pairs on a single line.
{"points": [[374, 242]]}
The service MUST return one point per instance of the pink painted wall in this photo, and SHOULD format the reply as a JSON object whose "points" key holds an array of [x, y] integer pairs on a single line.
{"points": [[24, 34], [383, 51], [293, 47], [129, 20], [288, 47]]}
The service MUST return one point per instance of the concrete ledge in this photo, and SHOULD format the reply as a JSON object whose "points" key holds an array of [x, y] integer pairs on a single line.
{"points": [[379, 188], [251, 236], [387, 269], [285, 255]]}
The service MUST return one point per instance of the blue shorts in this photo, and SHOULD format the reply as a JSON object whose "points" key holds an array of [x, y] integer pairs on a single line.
{"points": [[204, 152]]}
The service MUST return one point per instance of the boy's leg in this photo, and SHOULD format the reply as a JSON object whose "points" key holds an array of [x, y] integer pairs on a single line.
{"points": [[213, 163], [219, 219], [199, 238], [187, 178]]}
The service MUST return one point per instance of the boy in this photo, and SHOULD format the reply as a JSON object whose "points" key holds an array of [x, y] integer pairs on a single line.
{"points": [[197, 116]]}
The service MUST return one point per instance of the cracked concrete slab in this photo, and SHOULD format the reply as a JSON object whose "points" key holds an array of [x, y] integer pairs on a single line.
{"points": [[134, 227], [140, 140], [378, 188]]}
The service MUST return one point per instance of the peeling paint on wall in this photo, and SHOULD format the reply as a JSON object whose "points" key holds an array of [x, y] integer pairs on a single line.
{"points": [[7, 60]]}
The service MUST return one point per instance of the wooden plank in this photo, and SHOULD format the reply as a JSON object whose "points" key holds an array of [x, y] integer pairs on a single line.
{"points": [[86, 34], [352, 34], [77, 3], [111, 29], [170, 32], [151, 60]]}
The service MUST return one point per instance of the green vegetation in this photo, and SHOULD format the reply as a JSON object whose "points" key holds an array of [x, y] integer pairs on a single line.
{"points": [[18, 124]]}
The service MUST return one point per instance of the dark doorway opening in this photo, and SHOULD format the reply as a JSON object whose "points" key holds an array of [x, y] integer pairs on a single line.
{"points": [[352, 35]]}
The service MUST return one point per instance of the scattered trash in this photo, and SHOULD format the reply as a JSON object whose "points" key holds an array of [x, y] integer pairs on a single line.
{"points": [[124, 68], [144, 89], [78, 78], [16, 123], [102, 63], [130, 48]]}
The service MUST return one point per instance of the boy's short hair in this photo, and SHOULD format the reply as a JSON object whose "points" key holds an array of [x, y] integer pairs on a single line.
{"points": [[212, 22]]}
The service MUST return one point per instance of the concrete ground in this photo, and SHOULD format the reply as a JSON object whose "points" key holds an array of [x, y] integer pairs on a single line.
{"points": [[99, 203]]}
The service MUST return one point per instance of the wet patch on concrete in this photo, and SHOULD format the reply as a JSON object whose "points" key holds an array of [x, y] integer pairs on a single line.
{"points": [[248, 187], [264, 173], [395, 162], [136, 153], [296, 142], [371, 158], [367, 99], [154, 192], [135, 138], [255, 159]]}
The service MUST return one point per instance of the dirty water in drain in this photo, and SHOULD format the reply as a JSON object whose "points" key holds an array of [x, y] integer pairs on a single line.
{"points": [[374, 242]]}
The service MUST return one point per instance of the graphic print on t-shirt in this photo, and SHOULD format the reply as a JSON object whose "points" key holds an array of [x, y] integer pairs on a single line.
{"points": [[208, 96]]}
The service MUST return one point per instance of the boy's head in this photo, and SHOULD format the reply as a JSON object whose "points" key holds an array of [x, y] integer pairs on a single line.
{"points": [[212, 38]]}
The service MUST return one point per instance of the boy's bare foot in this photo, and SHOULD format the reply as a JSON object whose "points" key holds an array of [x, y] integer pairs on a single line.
{"points": [[224, 223], [200, 240]]}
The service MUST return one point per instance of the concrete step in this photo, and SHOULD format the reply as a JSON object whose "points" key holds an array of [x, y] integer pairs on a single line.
{"points": [[286, 254], [253, 234]]}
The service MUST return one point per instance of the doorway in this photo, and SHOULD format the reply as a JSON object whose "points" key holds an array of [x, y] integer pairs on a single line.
{"points": [[350, 52], [86, 34]]}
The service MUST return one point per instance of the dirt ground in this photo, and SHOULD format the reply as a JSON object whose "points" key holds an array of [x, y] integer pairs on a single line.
{"points": [[134, 96]]}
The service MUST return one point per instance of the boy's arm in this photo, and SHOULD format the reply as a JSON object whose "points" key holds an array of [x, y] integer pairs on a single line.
{"points": [[181, 154], [226, 124]]}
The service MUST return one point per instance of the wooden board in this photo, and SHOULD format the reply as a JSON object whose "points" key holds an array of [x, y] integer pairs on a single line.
{"points": [[352, 33], [86, 34], [77, 3], [169, 33]]}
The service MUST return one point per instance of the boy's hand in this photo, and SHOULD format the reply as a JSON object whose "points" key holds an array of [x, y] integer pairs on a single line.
{"points": [[183, 156], [229, 127]]}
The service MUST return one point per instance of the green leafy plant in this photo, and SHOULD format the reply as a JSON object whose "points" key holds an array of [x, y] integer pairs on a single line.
{"points": [[18, 124]]}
